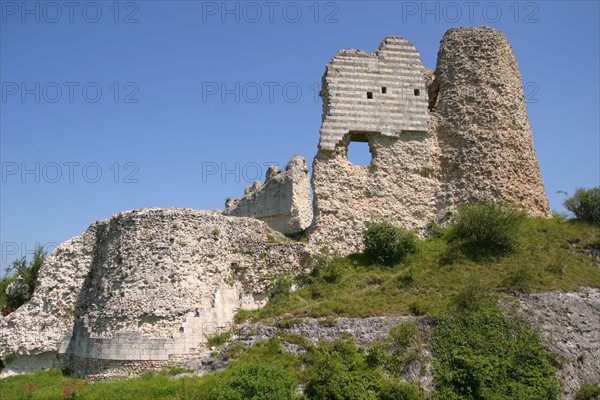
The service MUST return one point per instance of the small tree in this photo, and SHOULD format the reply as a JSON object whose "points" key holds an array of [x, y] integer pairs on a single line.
{"points": [[388, 244], [585, 204], [25, 275]]}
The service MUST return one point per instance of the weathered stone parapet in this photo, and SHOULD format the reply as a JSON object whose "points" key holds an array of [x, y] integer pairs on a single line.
{"points": [[283, 201]]}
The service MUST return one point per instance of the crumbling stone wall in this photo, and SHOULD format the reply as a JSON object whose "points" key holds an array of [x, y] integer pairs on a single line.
{"points": [[33, 332], [436, 142], [152, 285], [380, 98], [283, 201]]}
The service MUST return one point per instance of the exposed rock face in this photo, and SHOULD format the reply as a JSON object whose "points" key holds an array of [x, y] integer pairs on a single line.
{"points": [[475, 142], [283, 201], [365, 332], [151, 286], [569, 324]]}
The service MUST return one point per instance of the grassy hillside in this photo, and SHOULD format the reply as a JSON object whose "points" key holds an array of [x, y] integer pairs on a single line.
{"points": [[478, 352], [549, 256]]}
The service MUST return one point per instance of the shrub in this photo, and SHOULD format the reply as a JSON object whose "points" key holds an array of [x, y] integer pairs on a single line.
{"points": [[585, 205], [25, 275], [400, 391], [252, 381], [218, 339], [481, 354], [340, 371], [388, 244], [588, 392], [471, 296], [398, 351], [282, 287], [485, 229], [519, 278]]}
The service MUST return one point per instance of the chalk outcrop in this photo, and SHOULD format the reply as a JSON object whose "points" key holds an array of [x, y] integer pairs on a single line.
{"points": [[144, 289], [569, 325], [283, 201]]}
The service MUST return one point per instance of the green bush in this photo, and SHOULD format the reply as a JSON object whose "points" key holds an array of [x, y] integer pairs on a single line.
{"points": [[28, 273], [588, 392], [219, 339], [401, 348], [388, 244], [340, 371], [485, 229], [480, 354], [585, 205], [391, 390], [252, 381]]}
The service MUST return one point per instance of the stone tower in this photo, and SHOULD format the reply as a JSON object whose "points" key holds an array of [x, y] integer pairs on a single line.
{"points": [[486, 142], [436, 139]]}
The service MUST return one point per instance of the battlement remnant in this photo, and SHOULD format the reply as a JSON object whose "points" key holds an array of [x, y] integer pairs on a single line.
{"points": [[283, 201], [384, 93]]}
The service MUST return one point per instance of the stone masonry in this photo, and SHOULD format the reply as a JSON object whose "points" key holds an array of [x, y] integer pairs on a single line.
{"points": [[283, 201], [437, 140], [145, 287]]}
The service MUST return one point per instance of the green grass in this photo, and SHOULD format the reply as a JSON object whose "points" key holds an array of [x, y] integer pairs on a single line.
{"points": [[52, 385], [549, 257], [218, 339]]}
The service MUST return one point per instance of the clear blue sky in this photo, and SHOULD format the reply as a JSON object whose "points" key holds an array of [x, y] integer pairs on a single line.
{"points": [[162, 97]]}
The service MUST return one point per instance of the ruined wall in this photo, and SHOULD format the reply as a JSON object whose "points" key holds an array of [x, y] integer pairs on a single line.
{"points": [[155, 284], [283, 201], [380, 98], [475, 143], [32, 333]]}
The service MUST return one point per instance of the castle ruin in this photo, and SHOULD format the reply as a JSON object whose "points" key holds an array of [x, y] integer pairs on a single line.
{"points": [[437, 139], [144, 289]]}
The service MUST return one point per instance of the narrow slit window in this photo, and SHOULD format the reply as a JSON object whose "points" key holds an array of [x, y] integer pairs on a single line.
{"points": [[383, 90], [417, 92], [369, 95]]}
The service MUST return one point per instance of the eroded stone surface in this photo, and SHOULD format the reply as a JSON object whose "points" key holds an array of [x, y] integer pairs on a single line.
{"points": [[569, 324], [151, 286], [484, 135], [33, 332], [283, 201]]}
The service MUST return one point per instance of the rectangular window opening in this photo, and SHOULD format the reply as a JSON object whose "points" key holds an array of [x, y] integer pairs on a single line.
{"points": [[369, 95], [383, 90]]}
